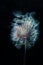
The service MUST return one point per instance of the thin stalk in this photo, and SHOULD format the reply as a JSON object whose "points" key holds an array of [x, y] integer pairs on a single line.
{"points": [[25, 54]]}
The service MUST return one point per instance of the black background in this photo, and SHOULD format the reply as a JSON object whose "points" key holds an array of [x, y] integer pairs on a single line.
{"points": [[9, 54]]}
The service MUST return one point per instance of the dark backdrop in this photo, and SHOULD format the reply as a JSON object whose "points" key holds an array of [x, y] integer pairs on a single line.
{"points": [[9, 54]]}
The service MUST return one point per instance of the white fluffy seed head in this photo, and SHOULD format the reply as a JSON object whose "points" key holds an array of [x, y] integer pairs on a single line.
{"points": [[27, 26]]}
